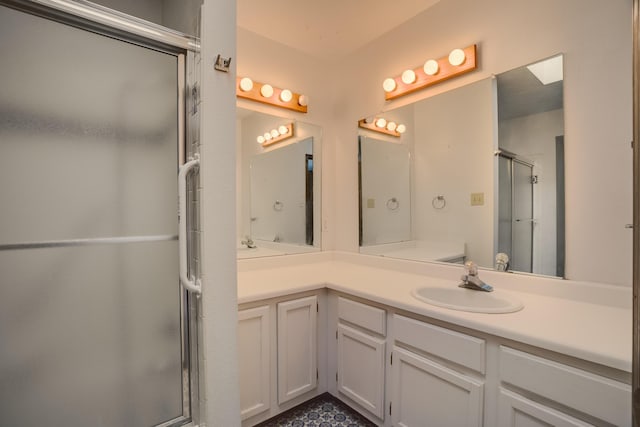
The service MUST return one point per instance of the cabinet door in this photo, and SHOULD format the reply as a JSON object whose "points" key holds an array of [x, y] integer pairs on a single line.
{"points": [[517, 411], [253, 360], [297, 347], [361, 369], [425, 393]]}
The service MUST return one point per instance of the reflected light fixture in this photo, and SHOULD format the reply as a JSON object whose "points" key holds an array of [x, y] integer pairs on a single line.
{"points": [[459, 61], [275, 135], [268, 94], [381, 125]]}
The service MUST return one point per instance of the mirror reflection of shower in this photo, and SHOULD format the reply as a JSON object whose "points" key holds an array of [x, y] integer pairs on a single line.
{"points": [[530, 160]]}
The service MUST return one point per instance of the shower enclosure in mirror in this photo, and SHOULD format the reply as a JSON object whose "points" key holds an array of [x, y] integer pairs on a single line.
{"points": [[278, 187], [486, 176]]}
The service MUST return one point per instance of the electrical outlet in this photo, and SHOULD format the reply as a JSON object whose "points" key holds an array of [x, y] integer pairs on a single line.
{"points": [[371, 203], [477, 199]]}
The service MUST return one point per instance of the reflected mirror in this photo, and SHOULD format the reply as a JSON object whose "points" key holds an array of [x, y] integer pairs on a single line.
{"points": [[278, 186], [483, 166]]}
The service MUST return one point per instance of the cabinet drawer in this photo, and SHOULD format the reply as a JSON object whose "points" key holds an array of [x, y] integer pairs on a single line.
{"points": [[365, 316], [583, 391], [459, 348]]}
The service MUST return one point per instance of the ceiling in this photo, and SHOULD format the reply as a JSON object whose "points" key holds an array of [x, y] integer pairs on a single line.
{"points": [[520, 93], [326, 29]]}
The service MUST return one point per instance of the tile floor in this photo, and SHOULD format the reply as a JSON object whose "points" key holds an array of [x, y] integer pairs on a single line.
{"points": [[322, 411]]}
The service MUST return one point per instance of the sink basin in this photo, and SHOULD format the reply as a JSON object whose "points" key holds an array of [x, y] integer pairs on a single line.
{"points": [[468, 300]]}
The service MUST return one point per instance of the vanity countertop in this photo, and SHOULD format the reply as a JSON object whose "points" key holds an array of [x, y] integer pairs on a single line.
{"points": [[588, 321]]}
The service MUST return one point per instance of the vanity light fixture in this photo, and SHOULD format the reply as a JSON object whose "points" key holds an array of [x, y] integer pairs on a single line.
{"points": [[246, 84], [380, 124], [266, 91], [276, 135], [267, 94], [459, 61]]}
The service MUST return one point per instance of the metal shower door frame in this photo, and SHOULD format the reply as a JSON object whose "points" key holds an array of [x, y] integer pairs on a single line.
{"points": [[513, 158], [101, 20]]}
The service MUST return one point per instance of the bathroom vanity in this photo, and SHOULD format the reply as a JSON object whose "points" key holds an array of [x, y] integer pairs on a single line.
{"points": [[349, 324]]}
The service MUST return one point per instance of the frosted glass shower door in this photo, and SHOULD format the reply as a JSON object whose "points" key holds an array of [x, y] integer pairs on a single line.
{"points": [[523, 221], [90, 306]]}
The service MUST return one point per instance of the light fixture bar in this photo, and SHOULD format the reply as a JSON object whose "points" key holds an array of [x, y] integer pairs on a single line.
{"points": [[267, 94], [444, 71], [281, 137], [362, 123]]}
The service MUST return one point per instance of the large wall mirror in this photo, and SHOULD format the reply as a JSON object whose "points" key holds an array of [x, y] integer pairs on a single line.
{"points": [[479, 172], [278, 186]]}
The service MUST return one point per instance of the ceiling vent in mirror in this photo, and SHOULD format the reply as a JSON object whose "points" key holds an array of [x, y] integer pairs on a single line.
{"points": [[457, 62], [267, 94], [548, 71]]}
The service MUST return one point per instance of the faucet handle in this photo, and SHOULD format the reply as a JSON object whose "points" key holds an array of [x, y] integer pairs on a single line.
{"points": [[471, 268]]}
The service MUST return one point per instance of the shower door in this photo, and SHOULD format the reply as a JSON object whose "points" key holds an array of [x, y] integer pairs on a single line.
{"points": [[515, 212], [92, 323]]}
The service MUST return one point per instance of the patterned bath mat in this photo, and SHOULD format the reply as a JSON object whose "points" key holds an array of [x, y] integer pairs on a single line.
{"points": [[322, 411]]}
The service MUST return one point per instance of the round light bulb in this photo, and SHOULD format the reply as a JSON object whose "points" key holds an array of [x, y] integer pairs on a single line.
{"points": [[303, 100], [389, 85], [275, 133], [286, 95], [391, 126], [408, 77], [267, 136], [381, 123], [369, 120], [401, 128], [457, 57], [266, 91], [246, 84], [431, 67], [260, 139], [283, 130]]}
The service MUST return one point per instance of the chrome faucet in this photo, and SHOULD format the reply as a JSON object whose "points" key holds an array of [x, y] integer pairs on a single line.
{"points": [[470, 280], [248, 243]]}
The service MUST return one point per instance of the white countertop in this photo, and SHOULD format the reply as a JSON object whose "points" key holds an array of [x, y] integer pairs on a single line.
{"points": [[588, 321]]}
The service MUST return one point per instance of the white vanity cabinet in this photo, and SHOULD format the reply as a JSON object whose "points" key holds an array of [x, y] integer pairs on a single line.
{"points": [[254, 360], [297, 347], [361, 354], [278, 354], [436, 376], [557, 392]]}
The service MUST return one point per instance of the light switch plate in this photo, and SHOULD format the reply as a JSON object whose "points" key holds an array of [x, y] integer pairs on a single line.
{"points": [[477, 199], [371, 203]]}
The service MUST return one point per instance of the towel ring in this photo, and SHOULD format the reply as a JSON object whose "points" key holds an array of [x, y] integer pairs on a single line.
{"points": [[278, 206], [439, 202], [393, 204]]}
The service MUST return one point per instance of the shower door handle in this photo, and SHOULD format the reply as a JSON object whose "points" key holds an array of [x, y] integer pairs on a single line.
{"points": [[189, 283]]}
